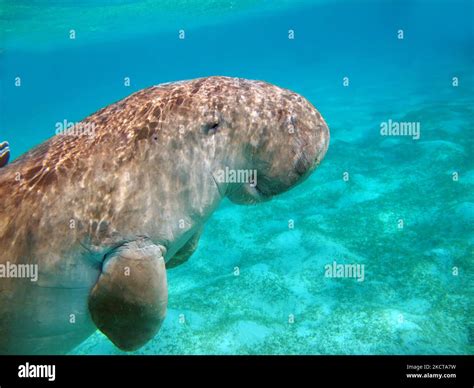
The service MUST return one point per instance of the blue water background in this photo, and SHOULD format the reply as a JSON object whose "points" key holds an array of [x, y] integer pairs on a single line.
{"points": [[410, 301]]}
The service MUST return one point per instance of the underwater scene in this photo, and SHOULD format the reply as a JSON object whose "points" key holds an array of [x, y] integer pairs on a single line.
{"points": [[373, 253]]}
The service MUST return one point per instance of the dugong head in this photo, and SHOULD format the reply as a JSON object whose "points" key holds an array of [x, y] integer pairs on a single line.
{"points": [[252, 129], [284, 138]]}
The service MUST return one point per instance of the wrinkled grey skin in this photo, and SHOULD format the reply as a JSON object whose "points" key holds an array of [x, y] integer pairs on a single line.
{"points": [[135, 195]]}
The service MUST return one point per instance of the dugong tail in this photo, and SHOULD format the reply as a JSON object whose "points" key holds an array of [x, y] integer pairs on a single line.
{"points": [[4, 153]]}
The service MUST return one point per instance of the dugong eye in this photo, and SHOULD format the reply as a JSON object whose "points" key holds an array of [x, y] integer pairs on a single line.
{"points": [[210, 128]]}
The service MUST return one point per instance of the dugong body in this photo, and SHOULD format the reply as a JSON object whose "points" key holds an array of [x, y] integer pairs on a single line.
{"points": [[100, 213]]}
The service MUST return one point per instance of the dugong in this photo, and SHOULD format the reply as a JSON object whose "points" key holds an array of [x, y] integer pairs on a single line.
{"points": [[91, 219]]}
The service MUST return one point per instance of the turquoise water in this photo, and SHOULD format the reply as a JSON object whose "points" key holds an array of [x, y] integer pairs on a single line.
{"points": [[417, 293]]}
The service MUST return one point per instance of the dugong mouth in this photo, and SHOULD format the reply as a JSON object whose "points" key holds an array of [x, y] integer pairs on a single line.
{"points": [[248, 194], [256, 192]]}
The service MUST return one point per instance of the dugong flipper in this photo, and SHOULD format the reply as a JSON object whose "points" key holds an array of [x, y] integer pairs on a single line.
{"points": [[128, 302], [185, 252]]}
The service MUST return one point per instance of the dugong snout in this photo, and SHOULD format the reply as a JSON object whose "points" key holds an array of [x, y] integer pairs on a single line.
{"points": [[288, 144], [312, 139]]}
